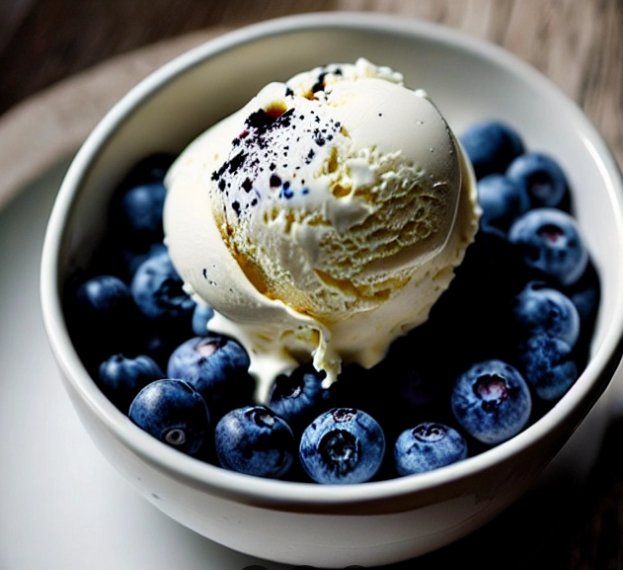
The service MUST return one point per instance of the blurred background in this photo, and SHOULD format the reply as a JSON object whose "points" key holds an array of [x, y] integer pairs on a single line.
{"points": [[46, 46], [576, 43]]}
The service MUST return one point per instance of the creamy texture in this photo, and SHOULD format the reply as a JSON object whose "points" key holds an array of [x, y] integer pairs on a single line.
{"points": [[323, 219]]}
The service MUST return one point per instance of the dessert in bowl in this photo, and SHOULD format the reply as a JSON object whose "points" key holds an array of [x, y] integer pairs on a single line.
{"points": [[299, 522]]}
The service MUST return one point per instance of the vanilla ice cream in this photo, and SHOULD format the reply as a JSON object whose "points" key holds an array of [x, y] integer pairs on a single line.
{"points": [[323, 219]]}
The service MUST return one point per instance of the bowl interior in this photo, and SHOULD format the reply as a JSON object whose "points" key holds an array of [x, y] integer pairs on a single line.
{"points": [[466, 79]]}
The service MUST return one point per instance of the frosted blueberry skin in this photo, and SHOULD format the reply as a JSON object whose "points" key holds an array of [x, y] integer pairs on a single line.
{"points": [[103, 297], [299, 397], [342, 446], [502, 201], [428, 446], [548, 365], [158, 291], [549, 241], [174, 412], [491, 145], [540, 309], [121, 378], [217, 366], [491, 401], [255, 441], [542, 179]]}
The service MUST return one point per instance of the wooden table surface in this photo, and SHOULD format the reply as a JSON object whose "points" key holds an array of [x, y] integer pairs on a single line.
{"points": [[578, 44]]}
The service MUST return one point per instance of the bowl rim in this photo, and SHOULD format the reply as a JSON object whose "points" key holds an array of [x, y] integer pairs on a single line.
{"points": [[276, 492]]}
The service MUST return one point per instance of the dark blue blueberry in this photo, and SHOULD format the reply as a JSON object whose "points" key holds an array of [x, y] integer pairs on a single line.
{"points": [[256, 441], [540, 309], [122, 378], [121, 259], [428, 446], [140, 213], [136, 211], [550, 242], [585, 294], [491, 146], [217, 366], [548, 366], [132, 260], [299, 397], [491, 401], [174, 412], [102, 318], [541, 177], [158, 289], [341, 446], [502, 201], [104, 295], [201, 316]]}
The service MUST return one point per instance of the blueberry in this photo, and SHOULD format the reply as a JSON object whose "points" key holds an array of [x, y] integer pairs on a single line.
{"points": [[541, 177], [428, 446], [550, 242], [548, 366], [585, 294], [132, 260], [255, 441], [136, 208], [201, 317], [342, 445], [502, 201], [102, 318], [217, 366], [174, 412], [299, 397], [158, 290], [140, 213], [491, 401], [121, 378], [539, 309], [103, 296], [491, 145]]}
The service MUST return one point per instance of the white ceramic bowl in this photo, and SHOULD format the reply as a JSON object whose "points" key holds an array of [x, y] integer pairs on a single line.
{"points": [[372, 523]]}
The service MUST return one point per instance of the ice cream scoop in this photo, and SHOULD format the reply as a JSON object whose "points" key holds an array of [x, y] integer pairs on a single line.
{"points": [[323, 219]]}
